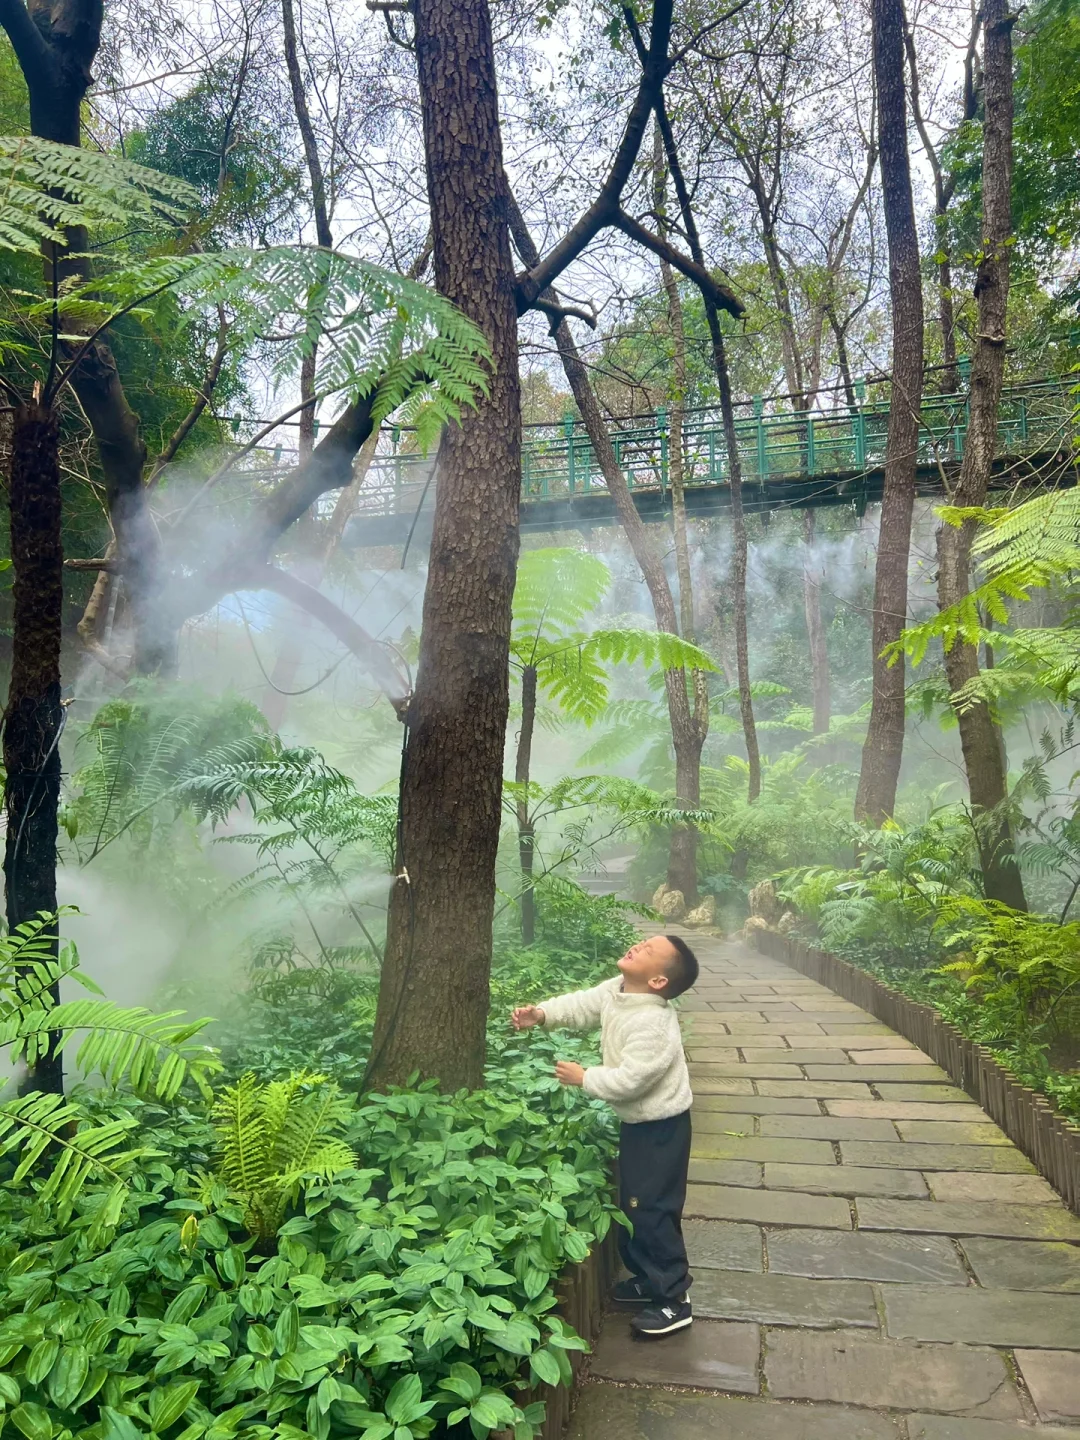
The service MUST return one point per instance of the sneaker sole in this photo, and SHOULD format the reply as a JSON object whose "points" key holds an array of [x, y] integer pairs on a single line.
{"points": [[668, 1330]]}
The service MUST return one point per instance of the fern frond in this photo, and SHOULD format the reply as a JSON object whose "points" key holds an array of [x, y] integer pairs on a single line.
{"points": [[47, 189]]}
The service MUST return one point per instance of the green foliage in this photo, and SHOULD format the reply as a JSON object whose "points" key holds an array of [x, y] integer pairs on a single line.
{"points": [[274, 1138], [556, 592], [47, 189], [1012, 960], [56, 1148], [401, 1298], [393, 338], [1031, 547], [889, 905]]}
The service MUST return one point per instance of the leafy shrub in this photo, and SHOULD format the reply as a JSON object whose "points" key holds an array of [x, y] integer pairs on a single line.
{"points": [[403, 1297]]}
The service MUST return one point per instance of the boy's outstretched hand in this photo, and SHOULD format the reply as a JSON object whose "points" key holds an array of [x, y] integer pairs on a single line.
{"points": [[526, 1016], [569, 1072]]}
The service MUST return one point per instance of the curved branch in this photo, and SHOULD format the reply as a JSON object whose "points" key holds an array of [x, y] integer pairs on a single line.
{"points": [[343, 627]]}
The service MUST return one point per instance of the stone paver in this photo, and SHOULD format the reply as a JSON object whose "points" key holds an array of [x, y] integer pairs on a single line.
{"points": [[1023, 1264], [989, 1317], [860, 1255], [873, 1259], [712, 1356], [903, 1109], [856, 1369], [916, 1155], [608, 1413], [931, 1094], [726, 1172], [979, 1186], [846, 1180], [723, 1245], [1053, 1377], [949, 1132], [952, 1427], [756, 1105], [766, 1207], [724, 1146], [784, 1300], [825, 1127], [1019, 1222]]}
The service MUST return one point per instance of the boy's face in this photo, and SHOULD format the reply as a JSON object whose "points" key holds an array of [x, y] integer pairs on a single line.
{"points": [[645, 965]]}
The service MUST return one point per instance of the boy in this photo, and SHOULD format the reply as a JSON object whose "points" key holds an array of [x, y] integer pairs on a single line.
{"points": [[644, 1079]]}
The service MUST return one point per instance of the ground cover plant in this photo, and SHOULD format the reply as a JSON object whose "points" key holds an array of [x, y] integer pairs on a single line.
{"points": [[292, 1259]]}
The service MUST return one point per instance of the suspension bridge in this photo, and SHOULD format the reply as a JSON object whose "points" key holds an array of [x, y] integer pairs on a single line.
{"points": [[788, 460]]}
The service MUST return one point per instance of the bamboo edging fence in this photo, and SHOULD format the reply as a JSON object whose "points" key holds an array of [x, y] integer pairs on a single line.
{"points": [[1048, 1139]]}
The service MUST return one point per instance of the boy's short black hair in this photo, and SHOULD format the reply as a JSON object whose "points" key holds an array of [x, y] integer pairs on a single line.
{"points": [[683, 970]]}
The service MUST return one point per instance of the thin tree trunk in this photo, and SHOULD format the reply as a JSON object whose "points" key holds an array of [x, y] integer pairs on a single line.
{"points": [[688, 740], [884, 747], [433, 999], [980, 738], [33, 718], [641, 543], [727, 412], [815, 630], [526, 831]]}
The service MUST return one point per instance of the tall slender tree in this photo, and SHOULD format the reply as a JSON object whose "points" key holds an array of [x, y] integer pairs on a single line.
{"points": [[884, 747], [980, 737], [438, 945]]}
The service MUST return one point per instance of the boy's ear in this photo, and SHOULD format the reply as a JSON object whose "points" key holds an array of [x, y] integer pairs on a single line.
{"points": [[658, 982]]}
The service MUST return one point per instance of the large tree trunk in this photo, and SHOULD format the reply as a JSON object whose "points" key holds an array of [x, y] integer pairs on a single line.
{"points": [[980, 739], [433, 1000], [884, 747], [815, 630], [526, 830], [33, 718]]}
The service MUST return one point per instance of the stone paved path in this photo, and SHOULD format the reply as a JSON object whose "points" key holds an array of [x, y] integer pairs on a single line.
{"points": [[873, 1259]]}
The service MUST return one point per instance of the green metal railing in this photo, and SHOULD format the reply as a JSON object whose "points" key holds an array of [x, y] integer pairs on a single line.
{"points": [[558, 460]]}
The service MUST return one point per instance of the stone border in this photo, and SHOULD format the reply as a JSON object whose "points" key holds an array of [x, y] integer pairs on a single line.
{"points": [[1047, 1138]]}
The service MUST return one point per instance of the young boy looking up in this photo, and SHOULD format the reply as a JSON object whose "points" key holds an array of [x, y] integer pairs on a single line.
{"points": [[645, 1081]]}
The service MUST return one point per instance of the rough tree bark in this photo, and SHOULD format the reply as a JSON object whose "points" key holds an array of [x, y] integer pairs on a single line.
{"points": [[526, 829], [33, 718], [884, 747], [438, 948], [980, 738], [815, 630]]}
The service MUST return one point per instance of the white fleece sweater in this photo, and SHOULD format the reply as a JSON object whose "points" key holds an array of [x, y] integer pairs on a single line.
{"points": [[644, 1075]]}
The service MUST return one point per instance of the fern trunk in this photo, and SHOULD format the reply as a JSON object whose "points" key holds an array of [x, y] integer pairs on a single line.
{"points": [[884, 747], [34, 718], [980, 738], [433, 1000]]}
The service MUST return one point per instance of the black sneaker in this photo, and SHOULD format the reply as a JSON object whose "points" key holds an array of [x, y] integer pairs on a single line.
{"points": [[630, 1292], [660, 1320]]}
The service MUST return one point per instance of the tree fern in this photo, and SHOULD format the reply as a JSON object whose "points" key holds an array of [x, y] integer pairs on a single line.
{"points": [[47, 189], [379, 334], [126, 1046], [275, 1137]]}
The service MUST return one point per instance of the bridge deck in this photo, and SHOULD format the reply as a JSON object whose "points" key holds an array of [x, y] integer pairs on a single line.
{"points": [[787, 461]]}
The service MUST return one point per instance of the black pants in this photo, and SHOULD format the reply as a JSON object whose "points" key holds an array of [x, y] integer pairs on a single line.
{"points": [[653, 1160]]}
